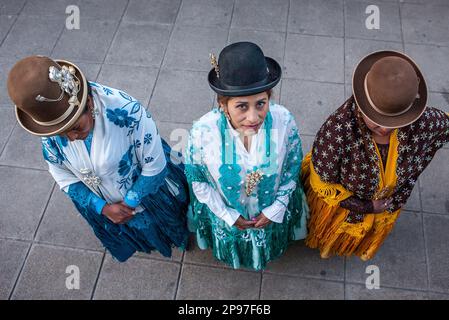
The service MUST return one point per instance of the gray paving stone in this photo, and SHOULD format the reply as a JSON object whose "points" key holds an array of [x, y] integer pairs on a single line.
{"points": [[176, 255], [300, 260], [314, 58], [356, 49], [23, 150], [136, 81], [93, 40], [358, 292], [102, 9], [5, 66], [307, 143], [44, 275], [311, 102], [414, 201], [161, 11], [437, 239], [401, 259], [63, 225], [389, 21], [271, 43], [19, 220], [438, 100], [425, 23], [181, 96], [90, 70], [438, 296], [204, 283], [5, 24], [190, 46], [12, 255], [9, 7], [316, 17], [49, 8], [261, 14], [433, 63], [31, 36], [175, 134], [276, 287], [434, 184], [137, 279], [206, 13], [430, 2], [203, 257], [139, 44], [7, 123]]}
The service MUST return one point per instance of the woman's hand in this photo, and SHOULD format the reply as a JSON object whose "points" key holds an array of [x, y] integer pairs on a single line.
{"points": [[118, 213], [380, 206], [243, 224], [262, 221]]}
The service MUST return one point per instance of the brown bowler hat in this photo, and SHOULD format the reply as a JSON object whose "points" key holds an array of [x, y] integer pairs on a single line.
{"points": [[389, 89], [49, 95]]}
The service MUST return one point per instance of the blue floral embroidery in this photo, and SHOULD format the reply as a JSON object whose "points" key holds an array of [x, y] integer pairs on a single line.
{"points": [[230, 179], [51, 151], [107, 91], [137, 144], [126, 162], [148, 138], [120, 117], [149, 159], [128, 169]]}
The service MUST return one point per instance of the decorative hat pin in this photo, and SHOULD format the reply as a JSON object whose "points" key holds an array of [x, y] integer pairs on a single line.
{"points": [[68, 82], [214, 63]]}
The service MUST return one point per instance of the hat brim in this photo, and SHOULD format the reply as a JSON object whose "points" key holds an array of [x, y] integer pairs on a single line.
{"points": [[274, 76], [27, 122], [358, 89]]}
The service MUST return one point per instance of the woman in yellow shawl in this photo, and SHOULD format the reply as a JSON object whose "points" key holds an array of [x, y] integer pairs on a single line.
{"points": [[368, 155]]}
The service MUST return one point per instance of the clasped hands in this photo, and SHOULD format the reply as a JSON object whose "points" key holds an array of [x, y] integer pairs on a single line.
{"points": [[259, 222], [118, 213]]}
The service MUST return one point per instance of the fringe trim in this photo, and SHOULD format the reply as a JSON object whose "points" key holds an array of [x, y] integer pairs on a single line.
{"points": [[328, 230]]}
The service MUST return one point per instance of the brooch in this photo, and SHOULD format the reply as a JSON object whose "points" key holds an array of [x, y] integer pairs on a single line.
{"points": [[252, 179], [90, 179]]}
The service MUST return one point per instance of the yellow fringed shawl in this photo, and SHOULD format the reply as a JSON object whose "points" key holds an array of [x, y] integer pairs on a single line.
{"points": [[328, 230]]}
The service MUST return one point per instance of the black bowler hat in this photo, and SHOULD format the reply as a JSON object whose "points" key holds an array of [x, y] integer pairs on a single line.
{"points": [[243, 70]]}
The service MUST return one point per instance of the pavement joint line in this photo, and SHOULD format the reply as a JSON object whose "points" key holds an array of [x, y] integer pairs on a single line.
{"points": [[160, 259], [113, 38], [260, 285], [57, 40], [402, 28], [181, 267], [426, 253], [316, 81], [219, 267], [13, 24], [230, 23], [62, 247], [303, 276], [20, 167], [7, 139], [429, 213], [395, 287], [20, 272], [94, 288], [44, 211], [167, 44]]}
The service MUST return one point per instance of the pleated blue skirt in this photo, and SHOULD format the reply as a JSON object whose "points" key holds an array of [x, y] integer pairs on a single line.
{"points": [[161, 226]]}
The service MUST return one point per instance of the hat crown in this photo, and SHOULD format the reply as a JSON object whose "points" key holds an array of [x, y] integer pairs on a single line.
{"points": [[28, 79], [392, 85], [242, 64]]}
